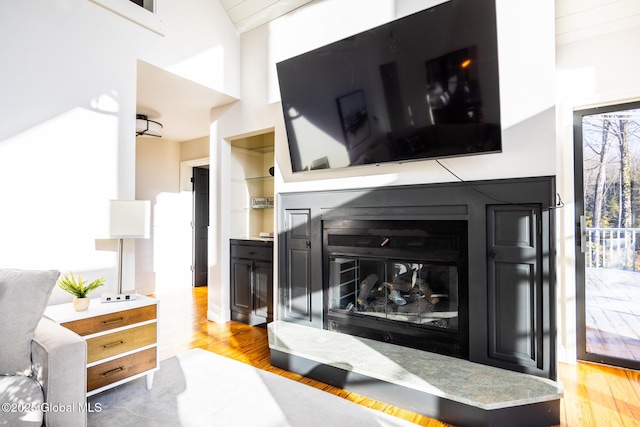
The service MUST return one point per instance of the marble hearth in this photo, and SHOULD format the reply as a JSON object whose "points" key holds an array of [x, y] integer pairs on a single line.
{"points": [[446, 388]]}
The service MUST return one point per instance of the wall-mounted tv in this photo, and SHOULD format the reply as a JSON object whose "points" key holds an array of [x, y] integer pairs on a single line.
{"points": [[423, 86]]}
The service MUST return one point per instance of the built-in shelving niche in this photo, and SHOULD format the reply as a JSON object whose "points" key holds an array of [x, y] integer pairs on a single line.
{"points": [[251, 160]]}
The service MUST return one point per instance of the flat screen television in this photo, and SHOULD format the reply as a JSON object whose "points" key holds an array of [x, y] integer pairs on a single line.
{"points": [[420, 87]]}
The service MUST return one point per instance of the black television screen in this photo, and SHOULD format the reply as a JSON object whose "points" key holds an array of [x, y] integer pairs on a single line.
{"points": [[423, 86]]}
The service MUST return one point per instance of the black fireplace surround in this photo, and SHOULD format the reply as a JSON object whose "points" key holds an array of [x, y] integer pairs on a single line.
{"points": [[403, 282], [464, 269]]}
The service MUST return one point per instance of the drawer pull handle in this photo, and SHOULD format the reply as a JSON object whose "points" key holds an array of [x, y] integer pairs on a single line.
{"points": [[113, 371], [113, 344], [111, 322]]}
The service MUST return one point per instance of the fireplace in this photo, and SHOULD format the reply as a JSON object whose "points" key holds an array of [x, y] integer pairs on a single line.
{"points": [[484, 248], [403, 282]]}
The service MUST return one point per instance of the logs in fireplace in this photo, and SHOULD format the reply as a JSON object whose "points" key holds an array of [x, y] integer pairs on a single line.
{"points": [[403, 282]]}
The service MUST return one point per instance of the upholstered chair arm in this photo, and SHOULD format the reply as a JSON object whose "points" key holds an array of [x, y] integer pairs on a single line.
{"points": [[59, 359]]}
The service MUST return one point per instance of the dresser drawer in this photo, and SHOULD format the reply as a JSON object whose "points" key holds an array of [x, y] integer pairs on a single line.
{"points": [[121, 368], [106, 322], [120, 342], [252, 252]]}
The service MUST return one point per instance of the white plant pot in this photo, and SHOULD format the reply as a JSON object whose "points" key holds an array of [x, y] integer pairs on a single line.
{"points": [[81, 304]]}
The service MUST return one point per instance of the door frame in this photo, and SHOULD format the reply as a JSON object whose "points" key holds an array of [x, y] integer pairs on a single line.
{"points": [[580, 233], [186, 173]]}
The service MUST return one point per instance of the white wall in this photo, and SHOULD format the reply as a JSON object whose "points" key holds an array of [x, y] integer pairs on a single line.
{"points": [[68, 105], [592, 69], [527, 78], [194, 149]]}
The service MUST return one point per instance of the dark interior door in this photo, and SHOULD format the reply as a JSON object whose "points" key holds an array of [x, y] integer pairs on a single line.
{"points": [[200, 225]]}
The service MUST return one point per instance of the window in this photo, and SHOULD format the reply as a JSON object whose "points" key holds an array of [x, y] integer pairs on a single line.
{"points": [[142, 12], [147, 4]]}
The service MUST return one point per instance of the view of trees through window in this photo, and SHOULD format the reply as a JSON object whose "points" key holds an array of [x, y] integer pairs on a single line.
{"points": [[611, 160]]}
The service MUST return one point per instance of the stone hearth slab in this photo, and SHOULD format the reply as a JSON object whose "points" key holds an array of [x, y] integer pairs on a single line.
{"points": [[452, 390]]}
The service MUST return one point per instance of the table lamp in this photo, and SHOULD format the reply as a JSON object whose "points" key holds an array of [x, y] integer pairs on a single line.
{"points": [[128, 219]]}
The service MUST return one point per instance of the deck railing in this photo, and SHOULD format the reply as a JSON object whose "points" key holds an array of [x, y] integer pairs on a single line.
{"points": [[613, 248]]}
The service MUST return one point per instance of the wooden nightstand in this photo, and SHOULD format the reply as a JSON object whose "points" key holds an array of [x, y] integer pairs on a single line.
{"points": [[121, 339]]}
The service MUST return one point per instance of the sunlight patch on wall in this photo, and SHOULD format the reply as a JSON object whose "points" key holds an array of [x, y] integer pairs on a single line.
{"points": [[172, 241], [55, 177], [577, 85], [527, 64], [206, 68], [106, 103], [341, 182]]}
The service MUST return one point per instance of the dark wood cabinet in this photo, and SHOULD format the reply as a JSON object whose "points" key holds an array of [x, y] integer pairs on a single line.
{"points": [[251, 281]]}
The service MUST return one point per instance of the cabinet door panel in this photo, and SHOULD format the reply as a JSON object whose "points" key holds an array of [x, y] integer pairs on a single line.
{"points": [[297, 292], [516, 330], [241, 285], [298, 302], [262, 288]]}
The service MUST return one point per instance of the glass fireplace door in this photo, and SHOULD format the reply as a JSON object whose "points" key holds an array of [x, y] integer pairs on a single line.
{"points": [[405, 291]]}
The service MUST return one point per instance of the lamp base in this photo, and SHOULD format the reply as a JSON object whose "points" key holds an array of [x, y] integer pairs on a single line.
{"points": [[115, 297]]}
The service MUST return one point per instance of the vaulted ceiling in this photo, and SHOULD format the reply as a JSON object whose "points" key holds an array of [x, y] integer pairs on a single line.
{"points": [[181, 104], [249, 14]]}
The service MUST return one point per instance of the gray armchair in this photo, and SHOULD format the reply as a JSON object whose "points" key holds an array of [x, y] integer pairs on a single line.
{"points": [[42, 364]]}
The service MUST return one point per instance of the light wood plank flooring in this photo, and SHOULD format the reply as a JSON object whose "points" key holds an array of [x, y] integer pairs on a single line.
{"points": [[595, 395]]}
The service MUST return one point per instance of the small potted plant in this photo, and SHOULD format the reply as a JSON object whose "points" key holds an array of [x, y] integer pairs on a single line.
{"points": [[79, 289]]}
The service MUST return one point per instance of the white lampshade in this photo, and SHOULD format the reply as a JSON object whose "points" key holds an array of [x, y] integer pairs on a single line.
{"points": [[130, 219]]}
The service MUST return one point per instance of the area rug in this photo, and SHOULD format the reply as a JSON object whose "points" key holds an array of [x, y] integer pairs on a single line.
{"points": [[200, 388]]}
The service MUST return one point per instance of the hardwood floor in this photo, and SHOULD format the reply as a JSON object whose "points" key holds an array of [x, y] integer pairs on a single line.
{"points": [[595, 395]]}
